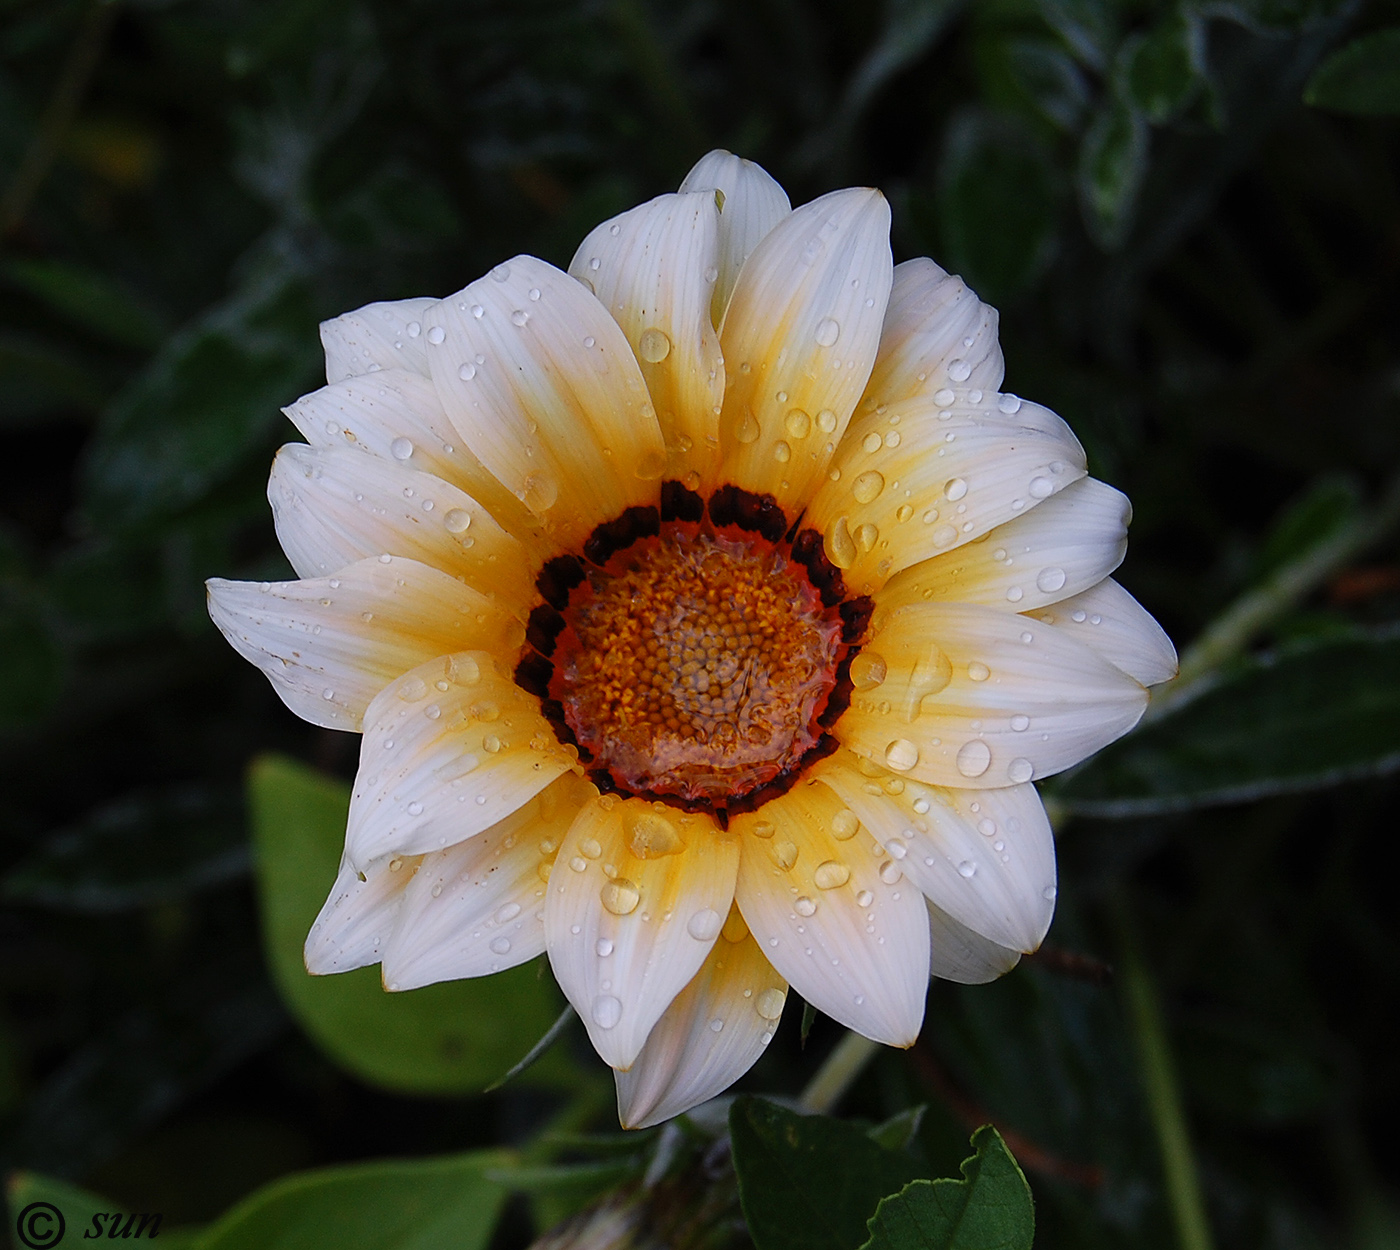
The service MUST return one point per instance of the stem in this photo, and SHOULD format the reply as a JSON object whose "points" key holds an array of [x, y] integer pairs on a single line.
{"points": [[1255, 610], [1163, 1096], [838, 1073]]}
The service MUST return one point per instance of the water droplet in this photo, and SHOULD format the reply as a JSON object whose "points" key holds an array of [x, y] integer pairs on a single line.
{"points": [[413, 689], [805, 906], [1050, 580], [467, 372], [769, 1004], [607, 1011], [826, 421], [975, 758], [978, 671], [867, 487], [797, 423], [1041, 488], [831, 874], [589, 848], [1020, 723], [436, 334], [620, 896], [890, 872], [748, 429], [1009, 403], [868, 670], [500, 946], [1048, 893], [603, 947], [897, 848], [539, 492], [1014, 594], [838, 544], [844, 825], [1020, 769], [954, 489], [651, 836], [578, 863], [959, 370], [782, 453], [328, 694], [872, 442], [901, 755], [704, 925], [967, 868], [785, 854], [867, 536], [507, 913], [653, 346], [415, 808], [828, 331], [401, 448], [904, 512], [762, 829], [456, 520], [921, 805]]}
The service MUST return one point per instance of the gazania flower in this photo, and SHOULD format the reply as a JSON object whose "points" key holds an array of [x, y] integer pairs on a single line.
{"points": [[708, 614]]}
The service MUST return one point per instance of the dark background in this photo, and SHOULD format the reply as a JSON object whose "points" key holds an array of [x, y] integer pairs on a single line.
{"points": [[1195, 269]]}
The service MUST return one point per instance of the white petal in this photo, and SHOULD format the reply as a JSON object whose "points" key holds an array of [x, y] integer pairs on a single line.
{"points": [[934, 325], [1070, 542], [958, 954], [851, 939], [917, 480], [358, 916], [397, 416], [334, 506], [449, 749], [799, 340], [753, 204], [378, 336], [478, 907], [986, 857], [627, 931], [544, 388], [708, 1037], [330, 644], [1108, 619], [653, 269], [973, 697]]}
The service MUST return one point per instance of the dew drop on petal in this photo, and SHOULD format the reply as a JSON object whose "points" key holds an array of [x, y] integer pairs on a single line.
{"points": [[507, 913], [747, 431], [500, 946], [864, 898], [831, 874], [901, 755], [607, 1011], [1041, 488], [844, 825], [436, 334], [467, 372], [1020, 769], [826, 421], [959, 370], [1050, 580], [1020, 723], [704, 925], [798, 424], [827, 332], [769, 1004], [867, 487], [974, 758], [868, 670], [978, 671], [785, 854], [653, 346], [457, 520], [603, 947], [401, 448], [967, 868], [620, 896], [838, 544], [954, 489]]}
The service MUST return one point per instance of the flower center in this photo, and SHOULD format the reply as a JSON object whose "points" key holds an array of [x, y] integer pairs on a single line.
{"points": [[690, 660]]}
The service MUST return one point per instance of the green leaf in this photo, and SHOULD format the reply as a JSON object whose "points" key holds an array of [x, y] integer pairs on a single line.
{"points": [[1363, 77], [1307, 716], [448, 1038], [1112, 162], [88, 299], [997, 205], [1049, 78], [899, 1130], [809, 1018], [417, 1204], [56, 1199], [808, 1182], [1331, 505], [209, 400], [989, 1209], [1162, 69]]}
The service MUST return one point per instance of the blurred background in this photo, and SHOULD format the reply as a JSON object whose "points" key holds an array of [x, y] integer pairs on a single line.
{"points": [[1196, 268]]}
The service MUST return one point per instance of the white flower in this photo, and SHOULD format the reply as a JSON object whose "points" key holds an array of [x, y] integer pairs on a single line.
{"points": [[732, 523]]}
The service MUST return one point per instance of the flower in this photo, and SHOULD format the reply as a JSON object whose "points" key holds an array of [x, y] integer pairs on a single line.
{"points": [[707, 613]]}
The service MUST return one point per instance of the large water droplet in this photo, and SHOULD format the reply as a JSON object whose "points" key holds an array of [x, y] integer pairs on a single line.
{"points": [[620, 896], [831, 874], [954, 489], [901, 755], [1020, 723], [747, 431], [506, 914], [867, 487], [1041, 488], [500, 946], [539, 492], [967, 868], [769, 1004], [805, 906], [1020, 769], [607, 1011], [782, 453], [827, 332], [653, 346], [975, 758], [844, 825], [785, 854], [401, 448], [436, 334], [1050, 580], [978, 671], [868, 670], [798, 424], [959, 370], [651, 836], [456, 520], [838, 544], [705, 924], [413, 689]]}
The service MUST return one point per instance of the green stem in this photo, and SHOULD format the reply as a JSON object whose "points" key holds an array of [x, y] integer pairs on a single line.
{"points": [[1163, 1096], [1254, 611], [838, 1073]]}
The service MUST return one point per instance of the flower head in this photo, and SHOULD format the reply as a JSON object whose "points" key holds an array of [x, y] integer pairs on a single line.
{"points": [[707, 613]]}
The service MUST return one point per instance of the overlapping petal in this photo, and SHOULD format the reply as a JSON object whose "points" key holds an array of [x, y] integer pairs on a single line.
{"points": [[711, 1034], [478, 907], [985, 857], [654, 269], [386, 335], [968, 696], [917, 480], [396, 415], [358, 915], [751, 203], [450, 748], [833, 915], [1109, 620], [958, 954], [937, 334], [1071, 541], [542, 385], [334, 506], [799, 340], [330, 644], [636, 901]]}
